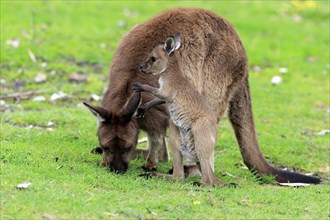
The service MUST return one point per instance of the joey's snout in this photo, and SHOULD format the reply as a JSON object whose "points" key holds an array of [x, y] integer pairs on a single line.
{"points": [[142, 68]]}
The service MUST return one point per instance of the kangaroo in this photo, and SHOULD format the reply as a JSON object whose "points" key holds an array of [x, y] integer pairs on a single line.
{"points": [[212, 58], [189, 111]]}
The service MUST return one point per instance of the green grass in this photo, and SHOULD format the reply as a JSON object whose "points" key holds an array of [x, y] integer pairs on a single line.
{"points": [[67, 182]]}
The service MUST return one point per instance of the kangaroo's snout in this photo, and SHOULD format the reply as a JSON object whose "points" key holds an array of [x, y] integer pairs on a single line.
{"points": [[119, 168]]}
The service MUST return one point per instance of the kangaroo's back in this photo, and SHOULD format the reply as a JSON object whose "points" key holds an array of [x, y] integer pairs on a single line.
{"points": [[211, 54]]}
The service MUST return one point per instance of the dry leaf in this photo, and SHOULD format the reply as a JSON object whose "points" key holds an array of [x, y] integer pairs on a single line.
{"points": [[24, 185], [256, 68], [151, 212], [26, 35], [96, 97], [50, 123], [13, 42], [231, 175], [276, 80], [48, 217], [40, 78], [44, 64], [80, 105], [122, 23], [323, 132], [33, 127], [142, 140], [324, 168], [283, 70], [78, 77], [296, 18], [103, 45], [294, 184], [32, 56], [58, 95], [311, 58], [39, 99], [127, 12]]}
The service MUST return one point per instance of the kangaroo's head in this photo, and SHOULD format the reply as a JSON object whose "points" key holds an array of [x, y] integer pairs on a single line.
{"points": [[117, 133], [158, 60]]}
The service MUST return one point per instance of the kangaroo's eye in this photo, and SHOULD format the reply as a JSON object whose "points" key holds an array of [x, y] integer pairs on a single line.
{"points": [[153, 59]]}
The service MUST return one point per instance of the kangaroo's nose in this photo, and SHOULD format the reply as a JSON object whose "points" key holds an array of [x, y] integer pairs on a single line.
{"points": [[141, 68]]}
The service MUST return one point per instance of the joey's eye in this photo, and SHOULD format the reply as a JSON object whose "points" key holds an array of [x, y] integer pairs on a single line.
{"points": [[153, 59]]}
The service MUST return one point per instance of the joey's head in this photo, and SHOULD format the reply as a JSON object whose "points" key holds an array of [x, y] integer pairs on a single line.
{"points": [[158, 60], [117, 133]]}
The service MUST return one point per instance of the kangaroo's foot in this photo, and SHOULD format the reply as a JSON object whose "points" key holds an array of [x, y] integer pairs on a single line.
{"points": [[189, 170], [161, 175], [149, 166], [97, 150]]}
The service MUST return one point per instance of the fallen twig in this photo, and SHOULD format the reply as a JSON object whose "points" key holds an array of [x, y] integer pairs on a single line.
{"points": [[20, 95]]}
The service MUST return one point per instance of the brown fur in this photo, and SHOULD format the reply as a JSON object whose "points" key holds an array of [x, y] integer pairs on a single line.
{"points": [[212, 58]]}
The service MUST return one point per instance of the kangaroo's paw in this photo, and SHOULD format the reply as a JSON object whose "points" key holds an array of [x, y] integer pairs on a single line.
{"points": [[137, 86], [147, 175]]}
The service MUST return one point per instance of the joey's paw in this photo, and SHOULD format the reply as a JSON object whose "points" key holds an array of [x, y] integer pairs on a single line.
{"points": [[137, 86], [97, 150], [140, 113]]}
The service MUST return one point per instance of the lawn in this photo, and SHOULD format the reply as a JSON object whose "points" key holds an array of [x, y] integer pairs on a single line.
{"points": [[45, 44]]}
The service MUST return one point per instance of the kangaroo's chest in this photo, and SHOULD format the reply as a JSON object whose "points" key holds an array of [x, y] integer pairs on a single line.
{"points": [[178, 115], [187, 147], [181, 120]]}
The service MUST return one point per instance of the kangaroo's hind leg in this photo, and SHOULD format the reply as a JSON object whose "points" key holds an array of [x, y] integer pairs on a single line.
{"points": [[175, 142], [205, 137]]}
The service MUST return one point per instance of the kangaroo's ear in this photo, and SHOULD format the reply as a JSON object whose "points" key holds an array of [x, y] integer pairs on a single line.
{"points": [[172, 43], [131, 106], [101, 114]]}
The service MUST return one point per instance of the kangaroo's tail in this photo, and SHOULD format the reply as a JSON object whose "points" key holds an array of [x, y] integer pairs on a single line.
{"points": [[241, 117]]}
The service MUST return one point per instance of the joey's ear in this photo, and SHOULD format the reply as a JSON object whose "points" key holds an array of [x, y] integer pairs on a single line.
{"points": [[177, 40], [172, 43], [169, 45], [131, 106], [101, 114]]}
